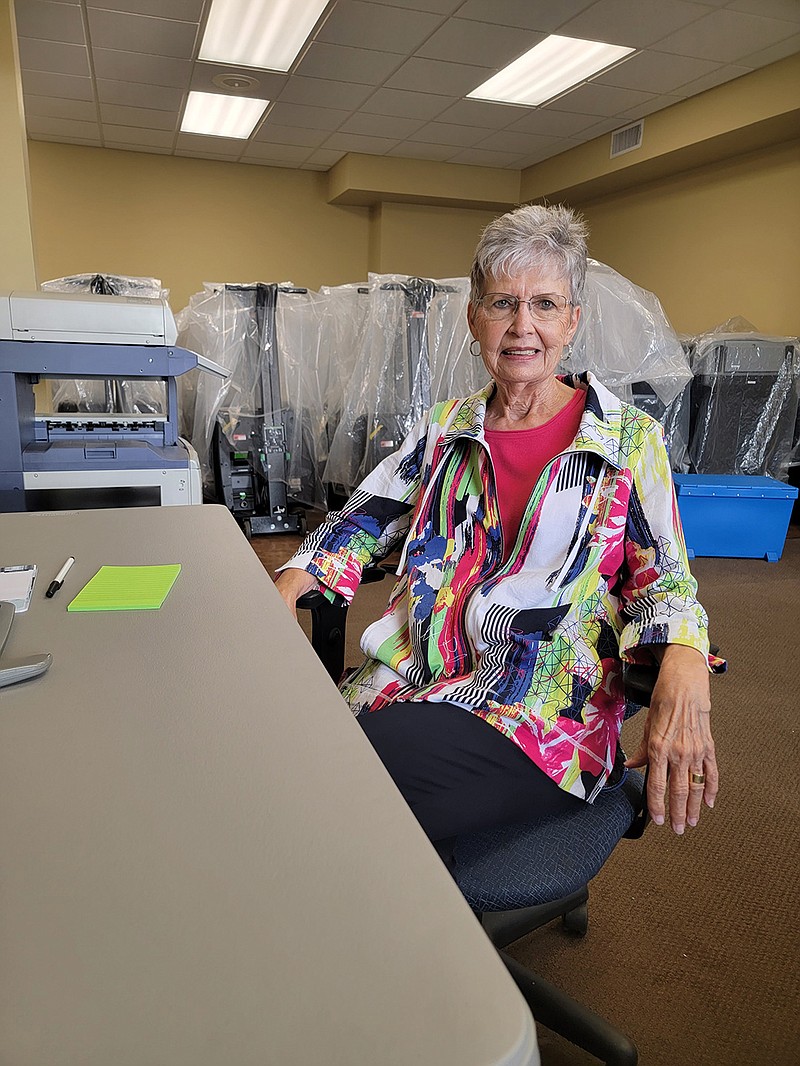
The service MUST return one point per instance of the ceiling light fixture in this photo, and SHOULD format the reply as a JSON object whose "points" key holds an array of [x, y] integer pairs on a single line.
{"points": [[215, 115], [549, 69], [266, 34]]}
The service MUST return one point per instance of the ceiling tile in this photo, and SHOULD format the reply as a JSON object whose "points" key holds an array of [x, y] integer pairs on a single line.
{"points": [[481, 43], [253, 161], [482, 113], [542, 15], [404, 104], [353, 64], [49, 22], [142, 33], [550, 122], [776, 9], [434, 76], [277, 134], [313, 166], [475, 157], [440, 7], [319, 92], [285, 153], [131, 94], [325, 157], [606, 125], [710, 81], [183, 10], [517, 144], [450, 133], [39, 83], [418, 150], [53, 57], [655, 72], [135, 135], [148, 149], [725, 36], [313, 118], [658, 103], [556, 148], [621, 21], [69, 127], [219, 147], [141, 117], [60, 107], [594, 99], [136, 67], [386, 29], [352, 142], [380, 126], [92, 142], [784, 48]]}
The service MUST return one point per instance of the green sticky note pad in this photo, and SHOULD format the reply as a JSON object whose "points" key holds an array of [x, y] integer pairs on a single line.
{"points": [[126, 588]]}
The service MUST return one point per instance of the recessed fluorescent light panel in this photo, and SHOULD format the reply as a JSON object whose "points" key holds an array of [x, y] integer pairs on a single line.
{"points": [[216, 115], [549, 69], [266, 34]]}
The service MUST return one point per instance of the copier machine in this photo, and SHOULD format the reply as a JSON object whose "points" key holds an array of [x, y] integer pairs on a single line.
{"points": [[56, 460]]}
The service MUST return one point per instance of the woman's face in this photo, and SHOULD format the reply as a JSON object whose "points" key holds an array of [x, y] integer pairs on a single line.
{"points": [[525, 347]]}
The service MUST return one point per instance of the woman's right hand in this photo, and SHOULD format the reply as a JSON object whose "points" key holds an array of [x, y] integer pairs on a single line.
{"points": [[294, 583]]}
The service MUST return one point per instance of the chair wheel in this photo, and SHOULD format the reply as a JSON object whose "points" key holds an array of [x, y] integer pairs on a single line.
{"points": [[577, 920]]}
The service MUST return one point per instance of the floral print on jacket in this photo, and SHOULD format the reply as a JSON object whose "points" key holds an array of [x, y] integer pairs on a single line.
{"points": [[533, 645]]}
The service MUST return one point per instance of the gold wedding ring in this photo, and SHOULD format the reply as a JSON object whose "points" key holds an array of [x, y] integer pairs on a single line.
{"points": [[698, 779]]}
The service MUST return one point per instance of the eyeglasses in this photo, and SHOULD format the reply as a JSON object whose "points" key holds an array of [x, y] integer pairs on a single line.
{"points": [[545, 307]]}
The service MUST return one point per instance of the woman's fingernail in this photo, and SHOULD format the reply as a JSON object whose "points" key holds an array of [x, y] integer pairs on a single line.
{"points": [[691, 821], [658, 819]]}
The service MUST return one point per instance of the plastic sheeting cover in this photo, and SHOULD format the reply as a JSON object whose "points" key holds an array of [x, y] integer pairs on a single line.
{"points": [[744, 401], [625, 338], [291, 354], [413, 351], [113, 395]]}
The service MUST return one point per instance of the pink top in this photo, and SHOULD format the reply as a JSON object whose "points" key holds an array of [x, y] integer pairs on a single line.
{"points": [[520, 455]]}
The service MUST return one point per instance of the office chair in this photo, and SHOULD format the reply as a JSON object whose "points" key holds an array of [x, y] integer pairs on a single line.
{"points": [[519, 877]]}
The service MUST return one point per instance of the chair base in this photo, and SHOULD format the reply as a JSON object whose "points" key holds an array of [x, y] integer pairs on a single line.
{"points": [[504, 927], [570, 1019]]}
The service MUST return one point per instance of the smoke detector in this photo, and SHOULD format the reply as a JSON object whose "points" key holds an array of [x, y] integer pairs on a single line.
{"points": [[238, 83]]}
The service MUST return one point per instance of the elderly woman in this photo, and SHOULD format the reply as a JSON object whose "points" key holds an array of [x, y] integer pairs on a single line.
{"points": [[541, 547]]}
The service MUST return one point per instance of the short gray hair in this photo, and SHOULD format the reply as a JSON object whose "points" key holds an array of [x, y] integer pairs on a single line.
{"points": [[529, 237]]}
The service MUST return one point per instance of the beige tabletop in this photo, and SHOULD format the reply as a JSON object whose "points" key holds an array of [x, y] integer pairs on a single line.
{"points": [[202, 862]]}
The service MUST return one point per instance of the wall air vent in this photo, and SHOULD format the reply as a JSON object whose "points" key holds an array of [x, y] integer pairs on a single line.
{"points": [[627, 139]]}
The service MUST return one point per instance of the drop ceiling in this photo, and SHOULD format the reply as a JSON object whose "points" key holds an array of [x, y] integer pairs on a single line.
{"points": [[381, 78]]}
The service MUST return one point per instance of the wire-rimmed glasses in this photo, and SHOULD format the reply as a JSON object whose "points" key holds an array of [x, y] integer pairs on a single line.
{"points": [[545, 307]]}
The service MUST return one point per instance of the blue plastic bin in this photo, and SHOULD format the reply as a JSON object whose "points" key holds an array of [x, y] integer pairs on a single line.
{"points": [[735, 516]]}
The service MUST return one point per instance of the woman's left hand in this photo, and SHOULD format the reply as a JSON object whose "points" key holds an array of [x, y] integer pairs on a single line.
{"points": [[677, 741]]}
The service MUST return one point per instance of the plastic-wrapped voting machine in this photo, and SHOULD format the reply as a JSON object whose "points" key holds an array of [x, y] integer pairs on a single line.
{"points": [[625, 338], [260, 434], [744, 401], [413, 350], [112, 395]]}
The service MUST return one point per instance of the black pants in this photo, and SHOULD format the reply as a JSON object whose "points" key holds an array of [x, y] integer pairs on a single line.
{"points": [[457, 773]]}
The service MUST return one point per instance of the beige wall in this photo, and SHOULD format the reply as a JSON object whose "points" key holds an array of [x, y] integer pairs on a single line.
{"points": [[17, 263], [434, 242], [712, 243], [187, 221]]}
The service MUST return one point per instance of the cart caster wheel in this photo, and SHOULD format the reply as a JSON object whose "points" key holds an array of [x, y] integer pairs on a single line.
{"points": [[577, 920], [248, 529]]}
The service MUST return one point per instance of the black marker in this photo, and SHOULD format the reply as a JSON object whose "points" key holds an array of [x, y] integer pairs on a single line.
{"points": [[58, 580]]}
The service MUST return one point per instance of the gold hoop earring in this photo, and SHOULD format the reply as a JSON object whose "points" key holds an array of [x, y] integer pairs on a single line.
{"points": [[472, 352]]}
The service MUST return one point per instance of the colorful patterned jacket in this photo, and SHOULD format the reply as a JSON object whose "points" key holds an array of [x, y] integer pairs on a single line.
{"points": [[532, 645]]}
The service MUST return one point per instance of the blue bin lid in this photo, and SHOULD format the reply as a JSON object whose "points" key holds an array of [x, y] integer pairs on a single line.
{"points": [[751, 486]]}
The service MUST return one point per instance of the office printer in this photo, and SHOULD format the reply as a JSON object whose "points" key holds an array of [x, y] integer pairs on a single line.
{"points": [[56, 460]]}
